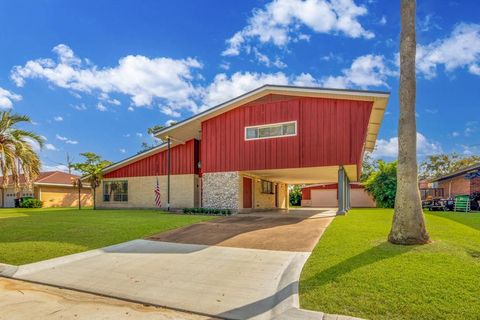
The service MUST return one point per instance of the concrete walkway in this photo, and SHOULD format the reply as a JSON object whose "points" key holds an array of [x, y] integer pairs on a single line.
{"points": [[21, 300], [246, 267]]}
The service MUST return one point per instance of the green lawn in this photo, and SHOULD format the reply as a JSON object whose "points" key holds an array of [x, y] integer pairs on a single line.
{"points": [[354, 271], [29, 235]]}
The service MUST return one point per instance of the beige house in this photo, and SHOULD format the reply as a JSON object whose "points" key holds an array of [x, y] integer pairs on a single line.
{"points": [[54, 188]]}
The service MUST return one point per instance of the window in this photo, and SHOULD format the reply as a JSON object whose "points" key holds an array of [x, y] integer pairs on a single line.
{"points": [[275, 130], [267, 187], [115, 190]]}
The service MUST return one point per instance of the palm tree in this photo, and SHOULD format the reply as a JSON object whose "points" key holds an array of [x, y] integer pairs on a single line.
{"points": [[408, 225], [17, 153]]}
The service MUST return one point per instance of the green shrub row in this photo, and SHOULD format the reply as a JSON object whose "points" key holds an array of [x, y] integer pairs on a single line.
{"points": [[218, 212], [31, 203]]}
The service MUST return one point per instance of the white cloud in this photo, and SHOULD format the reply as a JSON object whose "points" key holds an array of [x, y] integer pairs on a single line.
{"points": [[365, 71], [455, 134], [101, 107], [131, 109], [7, 98], [61, 138], [58, 118], [225, 65], [139, 134], [383, 20], [50, 146], [280, 21], [388, 148], [224, 88], [170, 112], [122, 150], [80, 107], [265, 60], [106, 98], [141, 78], [461, 49], [470, 128], [65, 139]]}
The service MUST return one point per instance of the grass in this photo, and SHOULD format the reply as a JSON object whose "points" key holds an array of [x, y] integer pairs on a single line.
{"points": [[30, 235], [354, 271]]}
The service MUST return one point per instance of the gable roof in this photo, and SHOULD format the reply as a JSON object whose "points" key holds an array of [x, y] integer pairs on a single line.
{"points": [[55, 178], [460, 172], [190, 127]]}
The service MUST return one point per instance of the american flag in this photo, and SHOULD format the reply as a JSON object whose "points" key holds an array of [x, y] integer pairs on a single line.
{"points": [[158, 201]]}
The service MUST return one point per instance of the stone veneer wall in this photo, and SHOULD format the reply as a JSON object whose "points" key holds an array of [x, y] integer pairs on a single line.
{"points": [[221, 190]]}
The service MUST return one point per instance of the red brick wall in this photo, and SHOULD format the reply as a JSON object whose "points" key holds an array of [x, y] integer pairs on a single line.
{"points": [[459, 185]]}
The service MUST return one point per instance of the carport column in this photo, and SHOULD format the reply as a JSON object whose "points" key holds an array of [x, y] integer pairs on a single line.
{"points": [[341, 191], [348, 188], [168, 174]]}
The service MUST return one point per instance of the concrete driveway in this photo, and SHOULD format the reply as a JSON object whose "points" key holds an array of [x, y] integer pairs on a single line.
{"points": [[245, 266]]}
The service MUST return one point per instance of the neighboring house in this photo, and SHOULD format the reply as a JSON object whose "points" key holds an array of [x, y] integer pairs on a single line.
{"points": [[54, 188], [326, 196], [243, 154], [461, 182]]}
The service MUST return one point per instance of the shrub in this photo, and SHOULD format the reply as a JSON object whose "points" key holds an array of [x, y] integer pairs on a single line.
{"points": [[31, 203], [382, 184], [296, 196], [209, 211]]}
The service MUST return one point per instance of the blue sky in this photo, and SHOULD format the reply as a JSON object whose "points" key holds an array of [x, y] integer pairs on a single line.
{"points": [[93, 75]]}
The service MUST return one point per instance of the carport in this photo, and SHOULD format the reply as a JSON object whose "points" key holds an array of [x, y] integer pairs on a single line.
{"points": [[330, 174]]}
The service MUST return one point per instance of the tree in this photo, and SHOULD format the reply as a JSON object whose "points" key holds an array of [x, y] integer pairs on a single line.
{"points": [[295, 195], [408, 226], [17, 151], [381, 184], [369, 165], [151, 132], [439, 165], [92, 170]]}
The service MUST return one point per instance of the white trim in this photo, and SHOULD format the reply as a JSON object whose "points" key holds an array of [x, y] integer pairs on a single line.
{"points": [[271, 125]]}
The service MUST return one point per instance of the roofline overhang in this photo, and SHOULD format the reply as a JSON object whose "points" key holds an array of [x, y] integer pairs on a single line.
{"points": [[379, 99]]}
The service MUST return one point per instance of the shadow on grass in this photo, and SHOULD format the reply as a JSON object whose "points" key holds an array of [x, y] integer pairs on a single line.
{"points": [[378, 253]]}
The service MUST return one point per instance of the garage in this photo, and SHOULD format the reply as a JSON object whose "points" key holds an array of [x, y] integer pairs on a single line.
{"points": [[326, 196]]}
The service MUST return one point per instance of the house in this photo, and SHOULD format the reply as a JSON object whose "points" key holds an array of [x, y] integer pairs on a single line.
{"points": [[243, 154], [326, 196], [461, 182], [54, 188]]}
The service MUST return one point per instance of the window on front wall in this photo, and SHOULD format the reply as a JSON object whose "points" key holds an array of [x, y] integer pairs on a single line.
{"points": [[115, 191], [275, 130], [267, 187]]}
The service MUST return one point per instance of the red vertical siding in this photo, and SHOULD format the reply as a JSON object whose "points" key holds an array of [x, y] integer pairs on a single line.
{"points": [[329, 132], [183, 161]]}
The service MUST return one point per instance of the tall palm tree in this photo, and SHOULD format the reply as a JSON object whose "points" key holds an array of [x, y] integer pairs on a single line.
{"points": [[408, 225], [17, 152]]}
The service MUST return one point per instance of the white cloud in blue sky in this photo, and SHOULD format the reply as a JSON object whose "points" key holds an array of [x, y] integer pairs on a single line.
{"points": [[164, 73], [280, 22]]}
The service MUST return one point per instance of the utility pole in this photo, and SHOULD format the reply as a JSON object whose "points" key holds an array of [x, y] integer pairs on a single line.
{"points": [[69, 163]]}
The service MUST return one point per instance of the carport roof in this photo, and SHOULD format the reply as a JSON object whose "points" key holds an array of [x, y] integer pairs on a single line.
{"points": [[190, 128]]}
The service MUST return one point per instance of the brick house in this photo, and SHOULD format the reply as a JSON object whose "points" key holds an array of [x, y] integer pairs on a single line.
{"points": [[461, 182], [243, 154], [326, 196], [54, 188]]}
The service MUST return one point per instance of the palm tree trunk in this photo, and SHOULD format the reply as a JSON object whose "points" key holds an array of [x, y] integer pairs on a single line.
{"points": [[408, 225]]}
